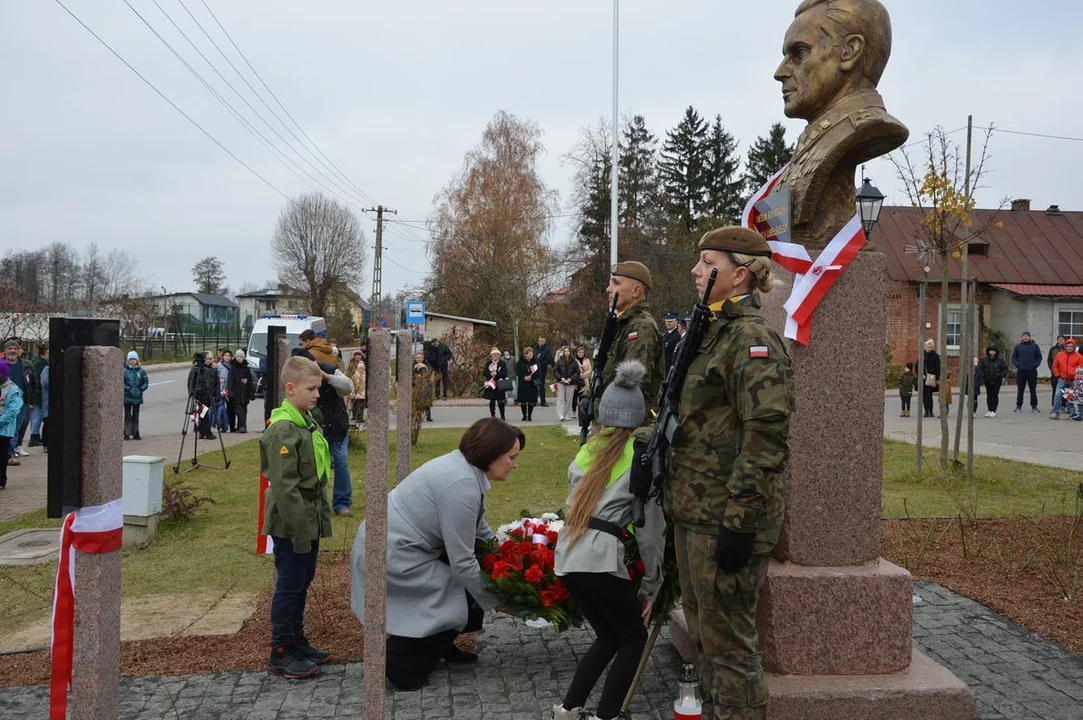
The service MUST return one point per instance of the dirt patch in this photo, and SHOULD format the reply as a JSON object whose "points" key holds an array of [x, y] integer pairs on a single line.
{"points": [[329, 623], [1020, 568]]}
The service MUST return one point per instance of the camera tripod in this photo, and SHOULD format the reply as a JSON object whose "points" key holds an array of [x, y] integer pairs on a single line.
{"points": [[192, 416]]}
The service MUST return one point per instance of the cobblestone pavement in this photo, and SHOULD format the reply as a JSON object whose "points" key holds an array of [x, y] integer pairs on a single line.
{"points": [[523, 671]]}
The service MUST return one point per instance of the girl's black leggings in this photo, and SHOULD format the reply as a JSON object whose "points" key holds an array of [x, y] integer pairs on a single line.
{"points": [[611, 607]]}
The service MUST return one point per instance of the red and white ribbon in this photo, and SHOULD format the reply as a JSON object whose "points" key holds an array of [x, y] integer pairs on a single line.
{"points": [[809, 289], [95, 530], [265, 544], [812, 279]]}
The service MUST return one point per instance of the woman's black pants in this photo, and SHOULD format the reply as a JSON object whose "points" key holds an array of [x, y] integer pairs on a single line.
{"points": [[611, 607], [411, 660], [927, 399]]}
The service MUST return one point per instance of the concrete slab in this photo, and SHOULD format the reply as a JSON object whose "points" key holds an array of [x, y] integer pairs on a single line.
{"points": [[30, 546]]}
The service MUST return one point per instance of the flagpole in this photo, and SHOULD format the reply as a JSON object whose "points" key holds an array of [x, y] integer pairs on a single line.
{"points": [[615, 151]]}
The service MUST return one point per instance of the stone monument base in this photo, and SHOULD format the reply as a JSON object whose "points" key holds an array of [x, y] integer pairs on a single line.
{"points": [[851, 620], [926, 690]]}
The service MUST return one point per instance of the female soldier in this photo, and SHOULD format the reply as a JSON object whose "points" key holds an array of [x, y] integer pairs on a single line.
{"points": [[724, 484]]}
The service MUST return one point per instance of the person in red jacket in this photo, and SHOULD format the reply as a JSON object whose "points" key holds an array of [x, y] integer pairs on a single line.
{"points": [[1064, 367]]}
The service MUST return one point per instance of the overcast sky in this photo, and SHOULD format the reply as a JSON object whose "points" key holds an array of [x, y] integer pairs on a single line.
{"points": [[394, 93]]}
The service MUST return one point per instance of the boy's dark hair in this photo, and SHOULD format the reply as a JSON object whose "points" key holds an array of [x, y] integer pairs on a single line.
{"points": [[488, 439], [910, 367], [222, 350], [199, 359], [307, 335]]}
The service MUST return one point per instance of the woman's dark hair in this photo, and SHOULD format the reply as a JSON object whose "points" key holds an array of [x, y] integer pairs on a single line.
{"points": [[488, 439]]}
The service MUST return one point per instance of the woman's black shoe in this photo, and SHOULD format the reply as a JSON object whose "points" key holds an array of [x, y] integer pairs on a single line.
{"points": [[456, 656]]}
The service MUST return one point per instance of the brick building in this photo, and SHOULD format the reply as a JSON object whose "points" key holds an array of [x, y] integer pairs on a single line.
{"points": [[1029, 276]]}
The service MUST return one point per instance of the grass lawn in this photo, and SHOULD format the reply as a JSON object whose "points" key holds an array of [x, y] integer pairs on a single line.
{"points": [[215, 551], [1001, 488]]}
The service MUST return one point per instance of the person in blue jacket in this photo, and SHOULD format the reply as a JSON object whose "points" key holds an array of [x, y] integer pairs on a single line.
{"points": [[11, 405], [1026, 357], [135, 384]]}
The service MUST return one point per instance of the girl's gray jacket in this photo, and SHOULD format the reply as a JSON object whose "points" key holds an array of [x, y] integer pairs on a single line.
{"points": [[600, 552], [434, 517]]}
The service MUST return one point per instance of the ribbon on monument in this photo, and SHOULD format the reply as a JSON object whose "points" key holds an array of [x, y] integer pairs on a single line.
{"points": [[812, 279], [95, 530]]}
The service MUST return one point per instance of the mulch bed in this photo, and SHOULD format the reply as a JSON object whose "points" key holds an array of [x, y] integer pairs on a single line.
{"points": [[329, 623], [1017, 567], [1020, 568]]}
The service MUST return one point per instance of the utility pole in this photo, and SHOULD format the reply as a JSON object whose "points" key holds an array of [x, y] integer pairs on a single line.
{"points": [[378, 263]]}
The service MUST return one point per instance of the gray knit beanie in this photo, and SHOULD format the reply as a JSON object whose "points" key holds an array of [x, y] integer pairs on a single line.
{"points": [[622, 402]]}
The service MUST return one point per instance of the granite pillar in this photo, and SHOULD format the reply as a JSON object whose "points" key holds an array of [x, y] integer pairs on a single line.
{"points": [[376, 486], [835, 619], [96, 663], [403, 403]]}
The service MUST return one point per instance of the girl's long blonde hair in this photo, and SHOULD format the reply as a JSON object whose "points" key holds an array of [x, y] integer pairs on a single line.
{"points": [[608, 448]]}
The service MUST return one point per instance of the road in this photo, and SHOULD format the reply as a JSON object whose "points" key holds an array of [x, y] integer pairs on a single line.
{"points": [[165, 400]]}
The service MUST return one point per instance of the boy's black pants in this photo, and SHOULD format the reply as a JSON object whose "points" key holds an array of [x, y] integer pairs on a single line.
{"points": [[294, 572]]}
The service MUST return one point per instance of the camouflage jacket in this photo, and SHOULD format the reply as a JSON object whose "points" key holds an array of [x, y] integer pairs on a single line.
{"points": [[638, 338], [734, 412]]}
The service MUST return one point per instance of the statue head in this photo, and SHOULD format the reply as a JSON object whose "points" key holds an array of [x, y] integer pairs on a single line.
{"points": [[833, 48]]}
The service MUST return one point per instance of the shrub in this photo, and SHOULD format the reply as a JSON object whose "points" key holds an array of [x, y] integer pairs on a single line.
{"points": [[179, 502]]}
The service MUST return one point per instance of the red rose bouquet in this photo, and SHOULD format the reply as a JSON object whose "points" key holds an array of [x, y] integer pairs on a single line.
{"points": [[518, 566]]}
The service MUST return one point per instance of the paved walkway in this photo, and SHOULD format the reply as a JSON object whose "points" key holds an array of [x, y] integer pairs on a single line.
{"points": [[1015, 674], [1026, 436]]}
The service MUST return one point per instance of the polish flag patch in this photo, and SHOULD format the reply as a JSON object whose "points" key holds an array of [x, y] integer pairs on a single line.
{"points": [[633, 335], [758, 351]]}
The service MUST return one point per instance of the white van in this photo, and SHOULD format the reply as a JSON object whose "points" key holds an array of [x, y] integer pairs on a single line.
{"points": [[294, 324]]}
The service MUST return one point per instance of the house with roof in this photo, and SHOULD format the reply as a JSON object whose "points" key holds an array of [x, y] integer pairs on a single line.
{"points": [[193, 313], [1028, 273]]}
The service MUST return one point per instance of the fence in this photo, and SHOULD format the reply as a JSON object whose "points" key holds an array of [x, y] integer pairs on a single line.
{"points": [[176, 347]]}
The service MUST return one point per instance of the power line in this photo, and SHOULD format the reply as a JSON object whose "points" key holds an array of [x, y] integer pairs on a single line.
{"points": [[423, 224], [243, 99], [237, 115], [1037, 135], [281, 105], [172, 104]]}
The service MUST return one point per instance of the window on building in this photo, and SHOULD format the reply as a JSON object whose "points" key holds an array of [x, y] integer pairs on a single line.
{"points": [[1070, 323], [954, 329]]}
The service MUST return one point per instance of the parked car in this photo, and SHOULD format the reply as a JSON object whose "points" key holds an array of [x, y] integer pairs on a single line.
{"points": [[294, 324]]}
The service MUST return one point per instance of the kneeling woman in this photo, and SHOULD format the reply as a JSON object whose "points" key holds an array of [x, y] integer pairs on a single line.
{"points": [[434, 587]]}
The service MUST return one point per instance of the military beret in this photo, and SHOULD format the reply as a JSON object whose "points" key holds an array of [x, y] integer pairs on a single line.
{"points": [[635, 270], [671, 316], [735, 239]]}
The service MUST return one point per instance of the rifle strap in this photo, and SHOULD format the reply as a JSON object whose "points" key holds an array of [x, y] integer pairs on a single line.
{"points": [[610, 528]]}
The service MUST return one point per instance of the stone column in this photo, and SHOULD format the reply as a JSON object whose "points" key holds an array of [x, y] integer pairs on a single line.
{"points": [[96, 662], [403, 402], [379, 401]]}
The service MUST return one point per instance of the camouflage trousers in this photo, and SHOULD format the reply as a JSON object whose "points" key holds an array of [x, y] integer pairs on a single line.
{"points": [[721, 614]]}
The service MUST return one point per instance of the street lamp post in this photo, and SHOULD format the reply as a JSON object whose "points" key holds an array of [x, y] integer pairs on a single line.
{"points": [[869, 203]]}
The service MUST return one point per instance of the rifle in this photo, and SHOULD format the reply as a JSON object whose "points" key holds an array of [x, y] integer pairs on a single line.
{"points": [[667, 429], [586, 404]]}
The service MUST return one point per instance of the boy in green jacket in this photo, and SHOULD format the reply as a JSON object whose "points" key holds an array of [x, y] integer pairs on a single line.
{"points": [[907, 382], [296, 460]]}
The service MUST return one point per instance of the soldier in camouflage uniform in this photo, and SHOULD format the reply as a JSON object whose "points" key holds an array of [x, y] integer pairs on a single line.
{"points": [[723, 488], [638, 336]]}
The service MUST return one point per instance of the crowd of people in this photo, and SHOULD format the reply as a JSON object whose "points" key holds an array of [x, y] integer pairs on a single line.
{"points": [[24, 403], [1063, 360]]}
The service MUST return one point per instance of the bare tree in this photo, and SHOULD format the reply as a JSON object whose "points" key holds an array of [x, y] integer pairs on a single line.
{"points": [[93, 276], [319, 245]]}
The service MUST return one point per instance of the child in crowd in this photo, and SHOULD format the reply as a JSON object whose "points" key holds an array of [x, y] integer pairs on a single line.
{"points": [[356, 373], [11, 404], [590, 552], [422, 391], [136, 383], [907, 382], [296, 460], [1075, 406], [222, 409]]}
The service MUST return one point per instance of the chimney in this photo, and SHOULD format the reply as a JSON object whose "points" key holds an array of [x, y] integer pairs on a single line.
{"points": [[1021, 205], [1053, 210]]}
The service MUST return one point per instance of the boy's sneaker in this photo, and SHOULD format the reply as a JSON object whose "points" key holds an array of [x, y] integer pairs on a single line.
{"points": [[991, 414], [1018, 408], [1054, 416], [19, 451], [288, 662], [127, 437], [316, 657], [1035, 409]]}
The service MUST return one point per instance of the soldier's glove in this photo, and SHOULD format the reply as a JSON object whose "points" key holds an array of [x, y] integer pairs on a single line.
{"points": [[640, 476], [733, 550]]}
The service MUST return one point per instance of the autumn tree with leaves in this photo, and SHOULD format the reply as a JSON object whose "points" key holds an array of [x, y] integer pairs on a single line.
{"points": [[490, 228], [942, 187]]}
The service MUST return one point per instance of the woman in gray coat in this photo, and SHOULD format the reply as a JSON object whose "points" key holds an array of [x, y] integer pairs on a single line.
{"points": [[435, 516]]}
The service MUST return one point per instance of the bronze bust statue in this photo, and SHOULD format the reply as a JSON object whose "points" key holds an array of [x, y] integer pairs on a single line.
{"points": [[835, 52]]}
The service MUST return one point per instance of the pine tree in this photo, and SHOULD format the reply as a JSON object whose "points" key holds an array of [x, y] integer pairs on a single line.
{"points": [[766, 157], [682, 168], [724, 186], [637, 191]]}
